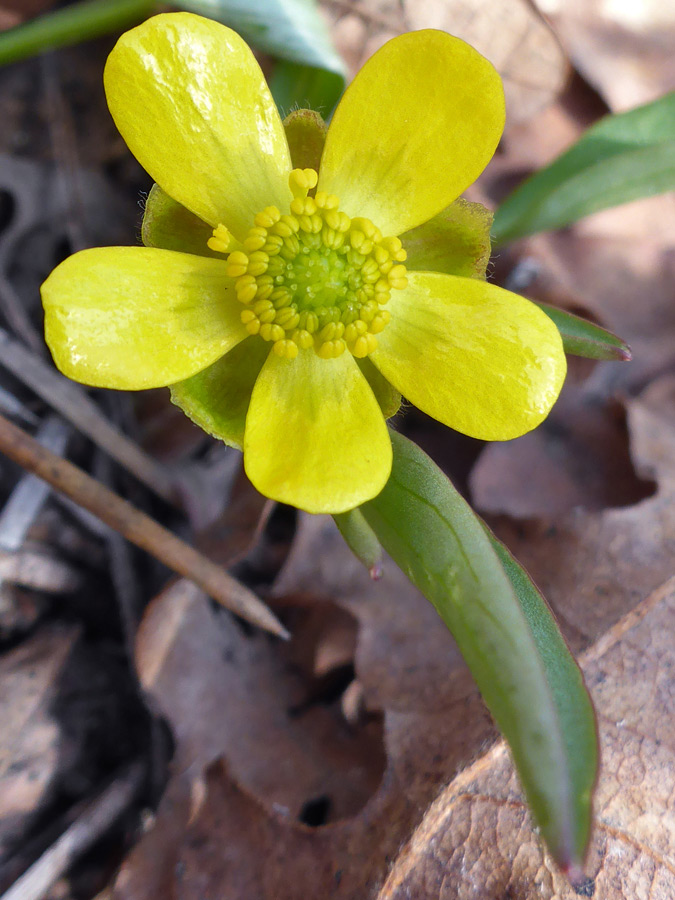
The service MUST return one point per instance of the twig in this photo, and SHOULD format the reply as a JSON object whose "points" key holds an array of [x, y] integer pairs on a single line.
{"points": [[28, 497], [78, 838], [135, 526], [79, 409]]}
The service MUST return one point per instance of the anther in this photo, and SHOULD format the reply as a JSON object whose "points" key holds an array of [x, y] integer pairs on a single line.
{"points": [[314, 279], [220, 241], [285, 348]]}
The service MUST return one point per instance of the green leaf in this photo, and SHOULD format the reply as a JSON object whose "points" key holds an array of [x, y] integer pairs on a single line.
{"points": [[294, 85], [583, 338], [71, 25], [508, 637], [292, 30], [574, 707], [622, 158]]}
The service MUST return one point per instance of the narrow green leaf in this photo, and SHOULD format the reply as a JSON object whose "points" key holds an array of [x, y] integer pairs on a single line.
{"points": [[583, 338], [71, 25], [566, 682], [292, 30], [508, 638], [622, 158]]}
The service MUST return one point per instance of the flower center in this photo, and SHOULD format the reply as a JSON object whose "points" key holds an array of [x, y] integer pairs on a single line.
{"points": [[314, 278]]}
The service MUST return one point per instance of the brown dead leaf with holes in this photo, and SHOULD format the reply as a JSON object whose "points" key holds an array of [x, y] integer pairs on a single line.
{"points": [[477, 843], [512, 35], [234, 826], [247, 763]]}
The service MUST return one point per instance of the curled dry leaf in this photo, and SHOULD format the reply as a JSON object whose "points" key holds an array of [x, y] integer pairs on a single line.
{"points": [[476, 841], [238, 831], [510, 33], [228, 695]]}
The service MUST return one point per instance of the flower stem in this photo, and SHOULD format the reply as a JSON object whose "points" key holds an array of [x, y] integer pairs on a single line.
{"points": [[71, 25]]}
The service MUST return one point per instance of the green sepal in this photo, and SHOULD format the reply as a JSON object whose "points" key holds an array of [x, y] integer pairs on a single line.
{"points": [[361, 540], [306, 134], [508, 637], [583, 338], [455, 242], [217, 398], [385, 393], [170, 226], [621, 158]]}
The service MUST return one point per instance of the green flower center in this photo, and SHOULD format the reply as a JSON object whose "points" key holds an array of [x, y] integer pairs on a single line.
{"points": [[314, 278]]}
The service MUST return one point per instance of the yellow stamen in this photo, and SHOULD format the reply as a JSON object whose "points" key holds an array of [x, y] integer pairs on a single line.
{"points": [[314, 278]]}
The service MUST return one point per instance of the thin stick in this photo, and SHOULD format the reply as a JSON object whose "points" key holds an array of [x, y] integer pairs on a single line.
{"points": [[135, 526], [77, 407], [85, 831]]}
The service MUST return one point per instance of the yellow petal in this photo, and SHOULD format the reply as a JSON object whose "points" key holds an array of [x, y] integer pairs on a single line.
{"points": [[315, 436], [474, 356], [417, 125], [137, 317], [217, 398], [193, 106]]}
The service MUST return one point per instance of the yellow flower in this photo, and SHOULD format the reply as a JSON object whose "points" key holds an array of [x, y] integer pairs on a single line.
{"points": [[293, 332]]}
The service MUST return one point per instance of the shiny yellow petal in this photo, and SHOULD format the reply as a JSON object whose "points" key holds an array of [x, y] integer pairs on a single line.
{"points": [[315, 436], [193, 106], [480, 359], [136, 317], [217, 398], [417, 125]]}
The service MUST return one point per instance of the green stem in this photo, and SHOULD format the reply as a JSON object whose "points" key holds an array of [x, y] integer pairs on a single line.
{"points": [[71, 25]]}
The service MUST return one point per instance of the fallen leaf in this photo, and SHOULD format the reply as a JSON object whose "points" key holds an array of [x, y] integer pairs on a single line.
{"points": [[476, 840], [623, 49], [228, 695], [594, 566], [577, 459]]}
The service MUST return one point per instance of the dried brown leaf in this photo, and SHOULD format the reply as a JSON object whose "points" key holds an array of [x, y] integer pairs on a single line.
{"points": [[594, 566], [477, 841], [624, 49]]}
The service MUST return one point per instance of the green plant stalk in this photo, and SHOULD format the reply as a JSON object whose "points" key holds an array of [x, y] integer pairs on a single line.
{"points": [[71, 25]]}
